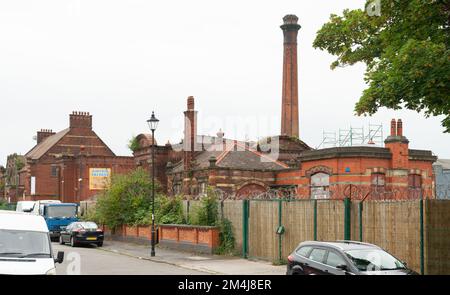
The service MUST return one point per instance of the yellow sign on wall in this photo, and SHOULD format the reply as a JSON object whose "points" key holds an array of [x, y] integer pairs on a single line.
{"points": [[99, 178]]}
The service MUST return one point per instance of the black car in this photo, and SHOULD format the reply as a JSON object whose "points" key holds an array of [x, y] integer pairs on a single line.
{"points": [[82, 233], [343, 258]]}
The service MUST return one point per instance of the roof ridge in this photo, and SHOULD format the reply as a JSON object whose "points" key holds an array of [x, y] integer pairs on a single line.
{"points": [[263, 156], [225, 153], [57, 135]]}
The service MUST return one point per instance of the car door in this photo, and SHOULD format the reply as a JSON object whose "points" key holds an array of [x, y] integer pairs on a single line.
{"points": [[316, 261], [332, 261], [301, 263], [66, 234]]}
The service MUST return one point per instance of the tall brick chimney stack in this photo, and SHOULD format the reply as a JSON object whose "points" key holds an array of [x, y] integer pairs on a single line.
{"points": [[289, 108], [190, 133], [43, 134], [80, 120]]}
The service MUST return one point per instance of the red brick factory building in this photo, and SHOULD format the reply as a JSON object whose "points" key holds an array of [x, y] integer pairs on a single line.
{"points": [[69, 165]]}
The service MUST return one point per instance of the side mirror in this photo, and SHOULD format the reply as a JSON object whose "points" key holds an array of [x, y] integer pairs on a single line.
{"points": [[59, 257], [342, 267]]}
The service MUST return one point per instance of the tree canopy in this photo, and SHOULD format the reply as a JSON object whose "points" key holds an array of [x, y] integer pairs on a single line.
{"points": [[405, 48]]}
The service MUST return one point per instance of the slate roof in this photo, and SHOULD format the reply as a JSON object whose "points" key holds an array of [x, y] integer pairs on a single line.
{"points": [[235, 155], [40, 149], [445, 163]]}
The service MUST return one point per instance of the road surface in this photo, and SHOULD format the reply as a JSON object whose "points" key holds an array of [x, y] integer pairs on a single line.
{"points": [[89, 260]]}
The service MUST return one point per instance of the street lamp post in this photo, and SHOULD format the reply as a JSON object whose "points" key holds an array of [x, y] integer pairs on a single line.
{"points": [[152, 124]]}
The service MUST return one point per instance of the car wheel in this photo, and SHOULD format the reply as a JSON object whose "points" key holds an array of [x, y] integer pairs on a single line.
{"points": [[99, 244], [61, 241], [72, 242]]}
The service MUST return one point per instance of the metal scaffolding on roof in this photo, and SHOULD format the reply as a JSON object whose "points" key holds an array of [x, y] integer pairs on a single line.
{"points": [[353, 136]]}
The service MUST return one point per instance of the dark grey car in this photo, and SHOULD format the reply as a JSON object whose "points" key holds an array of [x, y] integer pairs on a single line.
{"points": [[343, 258]]}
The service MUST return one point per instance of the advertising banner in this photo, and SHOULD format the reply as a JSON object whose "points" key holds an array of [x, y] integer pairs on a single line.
{"points": [[99, 178]]}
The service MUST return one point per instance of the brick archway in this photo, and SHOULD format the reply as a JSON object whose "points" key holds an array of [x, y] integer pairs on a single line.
{"points": [[250, 188]]}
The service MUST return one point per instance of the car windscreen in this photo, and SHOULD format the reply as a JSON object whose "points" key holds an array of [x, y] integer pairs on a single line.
{"points": [[373, 260], [61, 211], [18, 243], [89, 225]]}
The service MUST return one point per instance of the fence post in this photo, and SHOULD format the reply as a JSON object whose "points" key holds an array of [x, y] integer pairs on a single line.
{"points": [[187, 211], [280, 209], [347, 214], [422, 258], [360, 209], [245, 209], [315, 220]]}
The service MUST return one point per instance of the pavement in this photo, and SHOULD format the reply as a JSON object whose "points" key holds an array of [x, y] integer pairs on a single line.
{"points": [[212, 264]]}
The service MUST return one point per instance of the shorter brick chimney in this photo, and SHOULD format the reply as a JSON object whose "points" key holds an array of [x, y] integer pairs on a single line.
{"points": [[43, 134], [393, 128], [399, 127], [398, 145], [80, 120]]}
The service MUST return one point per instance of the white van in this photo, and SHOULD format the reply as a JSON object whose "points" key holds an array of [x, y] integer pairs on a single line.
{"points": [[40, 204], [25, 206], [25, 247]]}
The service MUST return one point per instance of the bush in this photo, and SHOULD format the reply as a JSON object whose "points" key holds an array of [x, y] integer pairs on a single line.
{"points": [[207, 213], [125, 200], [133, 144], [170, 211], [226, 238], [6, 206], [167, 211]]}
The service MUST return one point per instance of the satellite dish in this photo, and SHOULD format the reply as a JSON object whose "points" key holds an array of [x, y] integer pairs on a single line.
{"points": [[34, 137]]}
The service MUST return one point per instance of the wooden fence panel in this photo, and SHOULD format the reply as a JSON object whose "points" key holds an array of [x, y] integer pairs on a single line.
{"points": [[232, 210], [354, 221], [330, 220], [263, 223], [298, 220], [437, 237], [394, 226]]}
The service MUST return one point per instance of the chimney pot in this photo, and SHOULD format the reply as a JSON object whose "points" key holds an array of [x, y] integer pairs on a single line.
{"points": [[190, 103], [399, 127], [393, 128]]}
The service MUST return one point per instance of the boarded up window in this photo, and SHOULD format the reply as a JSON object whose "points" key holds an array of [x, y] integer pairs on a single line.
{"points": [[320, 186], [378, 182], [415, 181]]}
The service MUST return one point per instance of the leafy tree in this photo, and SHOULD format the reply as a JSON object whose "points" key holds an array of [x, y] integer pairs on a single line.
{"points": [[406, 50], [133, 144]]}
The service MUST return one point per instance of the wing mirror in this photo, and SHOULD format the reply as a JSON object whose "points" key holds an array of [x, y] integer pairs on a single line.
{"points": [[59, 257], [342, 267]]}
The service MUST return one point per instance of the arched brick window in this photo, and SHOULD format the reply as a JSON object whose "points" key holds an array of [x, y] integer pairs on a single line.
{"points": [[320, 186]]}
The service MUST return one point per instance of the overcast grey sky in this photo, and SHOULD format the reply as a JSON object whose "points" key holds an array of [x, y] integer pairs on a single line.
{"points": [[119, 60]]}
